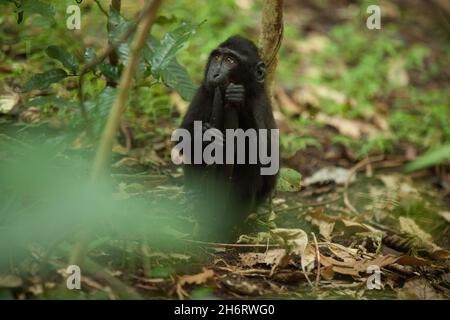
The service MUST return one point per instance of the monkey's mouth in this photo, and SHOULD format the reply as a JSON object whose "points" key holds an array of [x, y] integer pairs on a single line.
{"points": [[221, 82]]}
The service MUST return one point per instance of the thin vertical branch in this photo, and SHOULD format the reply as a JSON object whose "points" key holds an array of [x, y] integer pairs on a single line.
{"points": [[99, 5], [113, 58], [104, 149], [271, 37]]}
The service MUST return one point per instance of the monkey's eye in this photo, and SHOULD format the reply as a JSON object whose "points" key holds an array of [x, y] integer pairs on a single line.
{"points": [[217, 57], [230, 60]]}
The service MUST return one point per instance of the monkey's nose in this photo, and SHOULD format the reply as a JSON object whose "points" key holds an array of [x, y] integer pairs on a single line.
{"points": [[216, 75]]}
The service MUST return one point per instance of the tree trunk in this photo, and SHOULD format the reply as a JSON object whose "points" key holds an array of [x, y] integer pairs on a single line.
{"points": [[271, 37]]}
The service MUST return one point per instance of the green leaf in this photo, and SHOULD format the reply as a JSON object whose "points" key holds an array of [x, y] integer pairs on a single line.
{"points": [[170, 45], [161, 272], [37, 7], [430, 158], [117, 26], [63, 56], [104, 101], [6, 2], [59, 102], [289, 180], [99, 107], [89, 54], [110, 71], [176, 76], [41, 81], [164, 20]]}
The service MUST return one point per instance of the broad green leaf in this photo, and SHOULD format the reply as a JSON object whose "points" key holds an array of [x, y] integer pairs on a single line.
{"points": [[170, 45], [89, 54], [110, 71], [41, 81], [104, 101], [6, 1], [63, 56], [117, 26], [149, 52], [37, 7], [289, 180], [164, 20], [176, 76], [49, 100], [99, 107], [430, 158]]}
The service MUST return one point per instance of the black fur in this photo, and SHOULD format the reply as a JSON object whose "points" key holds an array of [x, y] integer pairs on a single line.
{"points": [[247, 188]]}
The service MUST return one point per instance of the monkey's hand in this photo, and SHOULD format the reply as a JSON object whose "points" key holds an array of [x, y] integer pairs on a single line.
{"points": [[235, 94]]}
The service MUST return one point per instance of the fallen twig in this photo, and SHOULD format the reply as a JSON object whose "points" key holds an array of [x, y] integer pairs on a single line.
{"points": [[232, 245], [318, 260]]}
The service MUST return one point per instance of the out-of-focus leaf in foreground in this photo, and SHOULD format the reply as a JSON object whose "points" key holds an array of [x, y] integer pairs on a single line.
{"points": [[47, 199]]}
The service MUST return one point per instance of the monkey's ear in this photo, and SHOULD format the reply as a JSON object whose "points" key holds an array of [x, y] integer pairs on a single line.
{"points": [[260, 72]]}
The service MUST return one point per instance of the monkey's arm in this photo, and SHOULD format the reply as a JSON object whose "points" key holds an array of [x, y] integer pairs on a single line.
{"points": [[199, 109], [216, 119]]}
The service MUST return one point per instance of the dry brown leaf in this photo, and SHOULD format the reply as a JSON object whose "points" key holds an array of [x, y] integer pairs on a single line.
{"points": [[336, 174], [293, 240], [287, 105], [409, 226], [418, 288], [399, 187], [9, 101], [352, 266], [346, 271], [381, 261], [397, 75], [199, 278], [289, 277], [344, 253], [329, 261], [308, 258], [10, 281], [441, 254], [445, 215], [242, 286], [313, 43], [324, 222], [327, 273], [270, 258], [358, 225], [352, 128]]}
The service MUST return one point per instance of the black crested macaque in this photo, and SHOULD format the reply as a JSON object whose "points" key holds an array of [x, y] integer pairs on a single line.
{"points": [[232, 95]]}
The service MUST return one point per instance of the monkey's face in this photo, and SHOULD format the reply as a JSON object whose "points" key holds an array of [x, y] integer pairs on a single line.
{"points": [[226, 65], [222, 67]]}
